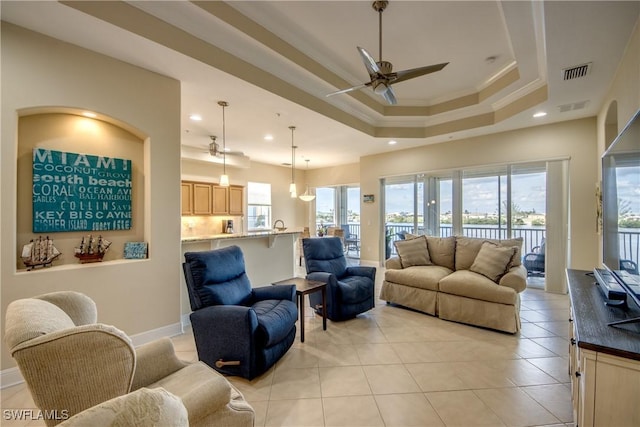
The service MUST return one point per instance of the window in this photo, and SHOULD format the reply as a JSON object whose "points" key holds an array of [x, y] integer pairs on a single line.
{"points": [[495, 202], [325, 206], [258, 206]]}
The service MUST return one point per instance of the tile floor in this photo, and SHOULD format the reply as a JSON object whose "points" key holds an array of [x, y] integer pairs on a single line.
{"points": [[396, 367]]}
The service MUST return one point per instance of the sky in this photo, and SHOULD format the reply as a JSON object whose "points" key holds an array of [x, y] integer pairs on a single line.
{"points": [[480, 194]]}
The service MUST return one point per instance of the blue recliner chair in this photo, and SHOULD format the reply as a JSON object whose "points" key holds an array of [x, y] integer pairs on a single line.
{"points": [[350, 290], [238, 330]]}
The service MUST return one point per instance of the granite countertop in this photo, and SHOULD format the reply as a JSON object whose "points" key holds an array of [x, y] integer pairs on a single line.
{"points": [[247, 235]]}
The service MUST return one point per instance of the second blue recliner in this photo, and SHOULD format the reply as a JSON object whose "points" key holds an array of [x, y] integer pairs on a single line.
{"points": [[350, 290], [238, 330]]}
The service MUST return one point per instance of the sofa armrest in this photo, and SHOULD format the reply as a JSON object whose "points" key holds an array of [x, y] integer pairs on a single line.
{"points": [[369, 272], [142, 407], [155, 360], [393, 263], [225, 332], [287, 292], [516, 278], [322, 276]]}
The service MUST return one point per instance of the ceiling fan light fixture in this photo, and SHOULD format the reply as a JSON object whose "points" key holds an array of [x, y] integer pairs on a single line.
{"points": [[380, 88]]}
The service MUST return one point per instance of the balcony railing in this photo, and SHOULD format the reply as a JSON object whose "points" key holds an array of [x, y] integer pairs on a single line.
{"points": [[532, 237]]}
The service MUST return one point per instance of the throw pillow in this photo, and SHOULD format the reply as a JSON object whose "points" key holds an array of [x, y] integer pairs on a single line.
{"points": [[442, 251], [493, 261], [413, 251], [516, 242]]}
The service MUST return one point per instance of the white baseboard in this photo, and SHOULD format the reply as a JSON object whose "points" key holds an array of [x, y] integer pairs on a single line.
{"points": [[12, 376], [185, 320], [154, 334], [9, 377]]}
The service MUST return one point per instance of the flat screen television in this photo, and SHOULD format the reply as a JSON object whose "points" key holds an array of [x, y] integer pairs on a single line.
{"points": [[621, 211]]}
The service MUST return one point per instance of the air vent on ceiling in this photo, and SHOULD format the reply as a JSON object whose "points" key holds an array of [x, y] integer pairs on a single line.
{"points": [[573, 106], [576, 72]]}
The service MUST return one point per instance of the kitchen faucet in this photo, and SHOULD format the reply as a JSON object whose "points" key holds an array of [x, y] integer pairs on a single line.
{"points": [[282, 227]]}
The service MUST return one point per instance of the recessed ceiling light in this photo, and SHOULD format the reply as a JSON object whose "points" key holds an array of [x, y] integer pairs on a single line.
{"points": [[90, 114], [392, 142], [196, 117], [540, 114], [268, 137]]}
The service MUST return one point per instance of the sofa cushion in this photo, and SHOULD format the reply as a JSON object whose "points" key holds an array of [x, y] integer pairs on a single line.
{"points": [[413, 251], [275, 319], [493, 261], [423, 277], [473, 285], [442, 251]]}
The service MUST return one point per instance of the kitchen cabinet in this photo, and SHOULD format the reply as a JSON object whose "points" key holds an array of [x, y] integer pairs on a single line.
{"points": [[201, 198], [187, 198], [236, 200], [220, 200], [604, 361]]}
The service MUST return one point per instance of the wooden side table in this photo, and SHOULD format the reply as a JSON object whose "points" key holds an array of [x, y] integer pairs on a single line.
{"points": [[304, 287]]}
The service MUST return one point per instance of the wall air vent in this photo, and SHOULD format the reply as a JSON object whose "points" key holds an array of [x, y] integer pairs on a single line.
{"points": [[576, 72]]}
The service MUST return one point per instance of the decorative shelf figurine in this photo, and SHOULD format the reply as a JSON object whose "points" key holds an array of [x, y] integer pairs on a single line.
{"points": [[92, 250], [39, 253]]}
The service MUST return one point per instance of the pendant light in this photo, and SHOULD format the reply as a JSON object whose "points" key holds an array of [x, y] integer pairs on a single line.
{"points": [[307, 197], [292, 187], [224, 178]]}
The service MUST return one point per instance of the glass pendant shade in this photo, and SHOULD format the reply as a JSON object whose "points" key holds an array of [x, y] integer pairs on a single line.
{"points": [[306, 196], [292, 187], [224, 180]]}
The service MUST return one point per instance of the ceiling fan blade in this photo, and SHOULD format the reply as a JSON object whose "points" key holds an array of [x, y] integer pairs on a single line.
{"points": [[389, 96], [369, 62], [349, 89], [401, 76]]}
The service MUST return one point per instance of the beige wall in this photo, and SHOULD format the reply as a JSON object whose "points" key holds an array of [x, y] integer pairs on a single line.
{"points": [[574, 139], [136, 296]]}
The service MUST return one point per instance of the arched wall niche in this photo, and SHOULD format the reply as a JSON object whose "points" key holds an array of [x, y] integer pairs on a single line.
{"points": [[611, 124], [69, 130]]}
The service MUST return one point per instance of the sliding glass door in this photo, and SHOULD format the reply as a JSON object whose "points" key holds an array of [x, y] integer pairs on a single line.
{"points": [[493, 203]]}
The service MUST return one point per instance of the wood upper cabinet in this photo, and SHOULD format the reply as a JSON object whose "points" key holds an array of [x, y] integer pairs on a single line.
{"points": [[187, 198], [220, 205], [236, 200], [201, 198]]}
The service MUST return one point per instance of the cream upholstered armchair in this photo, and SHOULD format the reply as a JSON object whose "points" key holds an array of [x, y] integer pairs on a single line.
{"points": [[141, 408], [71, 363]]}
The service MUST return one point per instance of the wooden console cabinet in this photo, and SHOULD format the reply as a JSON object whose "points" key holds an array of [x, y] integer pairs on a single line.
{"points": [[604, 361]]}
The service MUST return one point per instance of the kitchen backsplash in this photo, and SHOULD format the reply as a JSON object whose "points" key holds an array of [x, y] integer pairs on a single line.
{"points": [[193, 226]]}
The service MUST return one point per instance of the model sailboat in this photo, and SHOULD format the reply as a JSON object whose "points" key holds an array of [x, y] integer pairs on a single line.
{"points": [[39, 253], [92, 250]]}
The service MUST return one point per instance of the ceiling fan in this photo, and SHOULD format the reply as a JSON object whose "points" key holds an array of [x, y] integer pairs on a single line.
{"points": [[216, 151], [381, 72]]}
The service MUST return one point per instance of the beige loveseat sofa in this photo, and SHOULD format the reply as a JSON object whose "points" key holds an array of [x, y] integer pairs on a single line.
{"points": [[464, 279]]}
